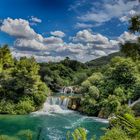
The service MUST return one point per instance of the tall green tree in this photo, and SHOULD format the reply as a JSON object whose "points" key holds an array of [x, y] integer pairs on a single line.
{"points": [[129, 48], [21, 88], [135, 24]]}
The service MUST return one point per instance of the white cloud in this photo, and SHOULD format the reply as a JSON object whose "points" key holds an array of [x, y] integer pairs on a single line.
{"points": [[53, 40], [39, 58], [84, 36], [19, 28], [83, 25], [99, 53], [58, 34], [35, 19], [126, 36], [88, 37], [109, 10], [128, 16], [29, 44], [84, 46]]}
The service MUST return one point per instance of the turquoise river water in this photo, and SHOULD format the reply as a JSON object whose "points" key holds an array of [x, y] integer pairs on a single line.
{"points": [[51, 124]]}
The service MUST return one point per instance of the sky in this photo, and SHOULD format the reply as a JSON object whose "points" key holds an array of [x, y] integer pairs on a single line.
{"points": [[51, 30]]}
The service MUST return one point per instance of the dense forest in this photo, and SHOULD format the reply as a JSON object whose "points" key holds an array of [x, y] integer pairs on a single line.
{"points": [[64, 73], [21, 89], [107, 89]]}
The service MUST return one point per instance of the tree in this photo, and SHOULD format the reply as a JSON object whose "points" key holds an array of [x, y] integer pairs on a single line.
{"points": [[129, 124], [6, 60], [135, 24], [21, 89], [94, 92], [123, 71], [131, 49]]}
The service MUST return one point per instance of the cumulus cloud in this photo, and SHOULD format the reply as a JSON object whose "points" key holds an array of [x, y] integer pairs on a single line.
{"points": [[109, 10], [19, 28], [84, 46], [88, 37], [128, 16], [126, 36], [53, 40], [39, 57], [29, 44], [58, 34]]}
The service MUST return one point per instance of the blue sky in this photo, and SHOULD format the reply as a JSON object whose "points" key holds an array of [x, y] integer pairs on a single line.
{"points": [[51, 30]]}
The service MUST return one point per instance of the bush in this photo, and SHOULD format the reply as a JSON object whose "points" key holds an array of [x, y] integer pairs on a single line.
{"points": [[7, 107], [115, 134], [25, 107]]}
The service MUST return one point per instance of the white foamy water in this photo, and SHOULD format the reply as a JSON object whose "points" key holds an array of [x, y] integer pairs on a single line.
{"points": [[59, 105], [55, 105]]}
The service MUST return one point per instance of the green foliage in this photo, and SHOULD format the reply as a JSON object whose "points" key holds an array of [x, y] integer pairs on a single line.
{"points": [[5, 137], [94, 92], [102, 61], [21, 89], [23, 134], [7, 107], [64, 73], [78, 134], [115, 134], [124, 109], [131, 49], [79, 78], [104, 93], [24, 107], [136, 109], [28, 134], [135, 24], [6, 60], [129, 124]]}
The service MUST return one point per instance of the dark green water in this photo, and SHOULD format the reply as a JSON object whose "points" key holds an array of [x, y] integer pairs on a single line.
{"points": [[52, 126]]}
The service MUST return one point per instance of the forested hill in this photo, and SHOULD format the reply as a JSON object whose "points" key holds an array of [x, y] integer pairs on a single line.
{"points": [[102, 60], [70, 72]]}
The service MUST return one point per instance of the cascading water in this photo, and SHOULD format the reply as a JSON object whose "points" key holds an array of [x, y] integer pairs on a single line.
{"points": [[67, 90], [62, 102], [55, 105]]}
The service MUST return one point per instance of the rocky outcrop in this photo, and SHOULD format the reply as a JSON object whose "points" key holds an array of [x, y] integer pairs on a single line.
{"points": [[74, 103]]}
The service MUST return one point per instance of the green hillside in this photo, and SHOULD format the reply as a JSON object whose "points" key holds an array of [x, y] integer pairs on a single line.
{"points": [[102, 60]]}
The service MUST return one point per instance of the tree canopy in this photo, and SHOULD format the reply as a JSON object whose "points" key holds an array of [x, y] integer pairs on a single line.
{"points": [[21, 89]]}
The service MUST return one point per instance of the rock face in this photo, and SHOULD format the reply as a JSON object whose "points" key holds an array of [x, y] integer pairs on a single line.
{"points": [[74, 103]]}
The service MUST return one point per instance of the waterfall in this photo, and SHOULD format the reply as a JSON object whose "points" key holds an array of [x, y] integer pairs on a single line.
{"points": [[65, 102], [55, 105], [62, 102], [66, 90]]}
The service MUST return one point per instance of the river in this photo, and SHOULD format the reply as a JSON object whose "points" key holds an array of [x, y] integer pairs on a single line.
{"points": [[52, 122]]}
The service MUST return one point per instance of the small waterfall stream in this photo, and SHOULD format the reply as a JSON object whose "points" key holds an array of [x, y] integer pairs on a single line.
{"points": [[55, 105], [62, 102], [67, 90]]}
